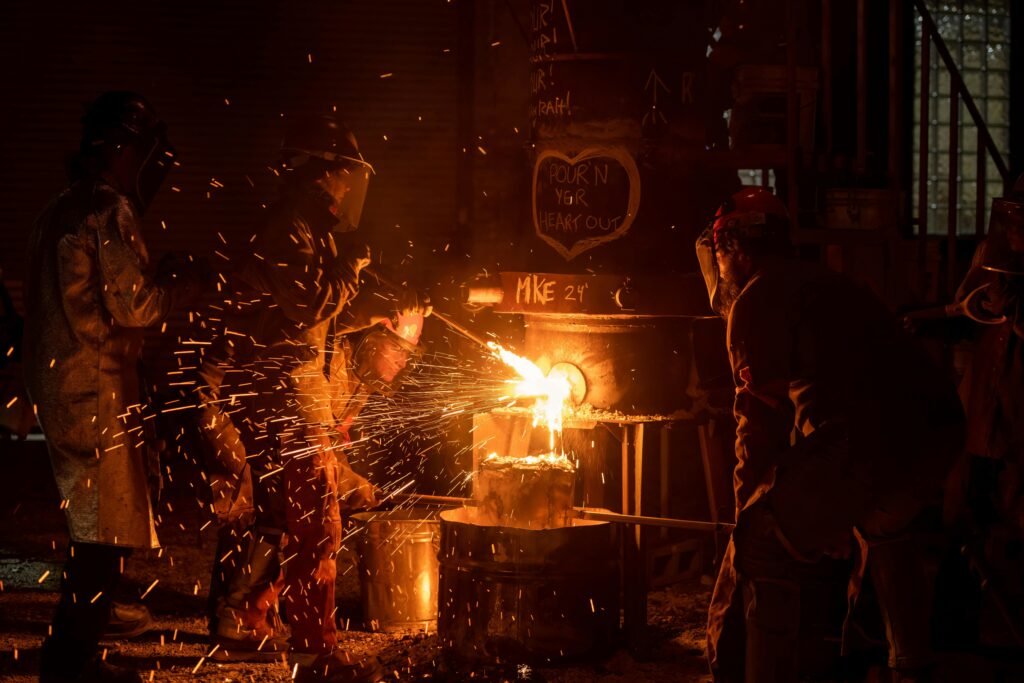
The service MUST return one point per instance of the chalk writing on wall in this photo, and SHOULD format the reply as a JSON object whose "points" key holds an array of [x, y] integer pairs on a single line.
{"points": [[584, 200]]}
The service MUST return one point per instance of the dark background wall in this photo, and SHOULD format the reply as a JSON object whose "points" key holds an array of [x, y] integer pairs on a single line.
{"points": [[222, 73]]}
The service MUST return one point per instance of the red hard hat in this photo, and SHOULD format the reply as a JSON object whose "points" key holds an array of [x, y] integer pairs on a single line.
{"points": [[752, 212]]}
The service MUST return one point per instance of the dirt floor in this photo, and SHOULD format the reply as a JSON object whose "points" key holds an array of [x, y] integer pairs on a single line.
{"points": [[33, 539], [32, 542]]}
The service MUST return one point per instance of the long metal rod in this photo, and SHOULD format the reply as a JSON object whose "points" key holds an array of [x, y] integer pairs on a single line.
{"points": [[979, 208], [424, 499], [952, 193], [585, 513], [860, 160], [461, 329], [672, 523], [923, 156], [826, 76], [895, 142], [792, 115], [443, 317]]}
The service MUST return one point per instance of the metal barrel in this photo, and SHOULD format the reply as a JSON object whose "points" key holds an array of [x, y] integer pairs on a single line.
{"points": [[526, 596], [398, 569]]}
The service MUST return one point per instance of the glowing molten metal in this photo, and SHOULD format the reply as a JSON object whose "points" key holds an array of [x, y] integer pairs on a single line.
{"points": [[552, 391]]}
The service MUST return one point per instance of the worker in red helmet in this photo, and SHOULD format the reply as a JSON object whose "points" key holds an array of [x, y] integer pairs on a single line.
{"points": [[845, 431], [753, 212]]}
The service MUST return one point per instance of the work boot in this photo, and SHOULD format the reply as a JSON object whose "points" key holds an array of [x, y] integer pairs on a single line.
{"points": [[127, 620], [336, 667], [245, 623], [239, 642]]}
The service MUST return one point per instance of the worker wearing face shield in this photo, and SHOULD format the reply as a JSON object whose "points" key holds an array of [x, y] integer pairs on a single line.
{"points": [[91, 293], [984, 504], [993, 385], [845, 432], [273, 386]]}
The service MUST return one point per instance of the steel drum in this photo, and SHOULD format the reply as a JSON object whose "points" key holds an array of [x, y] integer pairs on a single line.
{"points": [[529, 596]]}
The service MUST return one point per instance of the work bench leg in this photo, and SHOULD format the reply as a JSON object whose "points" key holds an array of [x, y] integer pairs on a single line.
{"points": [[635, 545]]}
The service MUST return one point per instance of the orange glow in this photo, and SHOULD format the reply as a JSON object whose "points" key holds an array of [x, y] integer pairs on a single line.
{"points": [[552, 391]]}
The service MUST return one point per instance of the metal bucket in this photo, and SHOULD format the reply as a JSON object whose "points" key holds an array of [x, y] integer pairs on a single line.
{"points": [[526, 596], [398, 569]]}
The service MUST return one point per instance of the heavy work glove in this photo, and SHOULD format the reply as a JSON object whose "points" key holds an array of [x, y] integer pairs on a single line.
{"points": [[392, 307], [412, 302], [355, 492], [355, 257], [375, 305]]}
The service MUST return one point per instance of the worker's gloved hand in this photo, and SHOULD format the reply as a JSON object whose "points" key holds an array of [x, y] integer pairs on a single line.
{"points": [[376, 306], [359, 257], [353, 257], [412, 302], [355, 492]]}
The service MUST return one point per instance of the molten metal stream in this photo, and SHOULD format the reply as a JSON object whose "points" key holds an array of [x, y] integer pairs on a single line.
{"points": [[552, 391]]}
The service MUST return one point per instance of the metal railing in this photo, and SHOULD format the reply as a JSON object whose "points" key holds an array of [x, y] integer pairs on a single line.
{"points": [[985, 148]]}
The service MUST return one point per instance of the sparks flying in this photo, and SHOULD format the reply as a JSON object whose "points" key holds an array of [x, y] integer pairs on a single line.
{"points": [[552, 391]]}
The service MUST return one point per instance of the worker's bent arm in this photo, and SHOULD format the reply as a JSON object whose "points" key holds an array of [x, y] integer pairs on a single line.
{"points": [[129, 292], [308, 282], [760, 343]]}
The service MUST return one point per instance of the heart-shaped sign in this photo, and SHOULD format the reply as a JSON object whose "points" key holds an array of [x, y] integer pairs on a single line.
{"points": [[585, 200]]}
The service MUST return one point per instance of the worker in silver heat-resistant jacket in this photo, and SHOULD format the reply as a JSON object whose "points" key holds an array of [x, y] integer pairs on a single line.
{"points": [[90, 296]]}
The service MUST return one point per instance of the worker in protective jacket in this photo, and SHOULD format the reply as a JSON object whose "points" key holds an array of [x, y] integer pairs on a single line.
{"points": [[993, 386], [845, 432], [90, 296], [267, 392], [985, 492]]}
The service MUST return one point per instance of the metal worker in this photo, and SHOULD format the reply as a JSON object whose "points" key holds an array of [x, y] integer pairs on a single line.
{"points": [[845, 432], [274, 421], [994, 386], [90, 296], [985, 496]]}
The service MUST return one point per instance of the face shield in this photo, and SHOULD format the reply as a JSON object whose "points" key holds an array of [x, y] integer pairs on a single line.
{"points": [[349, 207], [344, 186], [1004, 244], [157, 158], [705, 248]]}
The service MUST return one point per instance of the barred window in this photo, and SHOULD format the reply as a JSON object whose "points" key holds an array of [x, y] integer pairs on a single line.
{"points": [[977, 33]]}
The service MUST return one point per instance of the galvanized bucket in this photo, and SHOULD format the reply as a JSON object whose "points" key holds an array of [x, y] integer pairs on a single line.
{"points": [[398, 569]]}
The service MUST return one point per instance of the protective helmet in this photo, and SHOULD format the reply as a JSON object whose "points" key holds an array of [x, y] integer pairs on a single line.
{"points": [[1004, 244], [324, 143], [121, 117], [752, 213], [388, 352]]}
